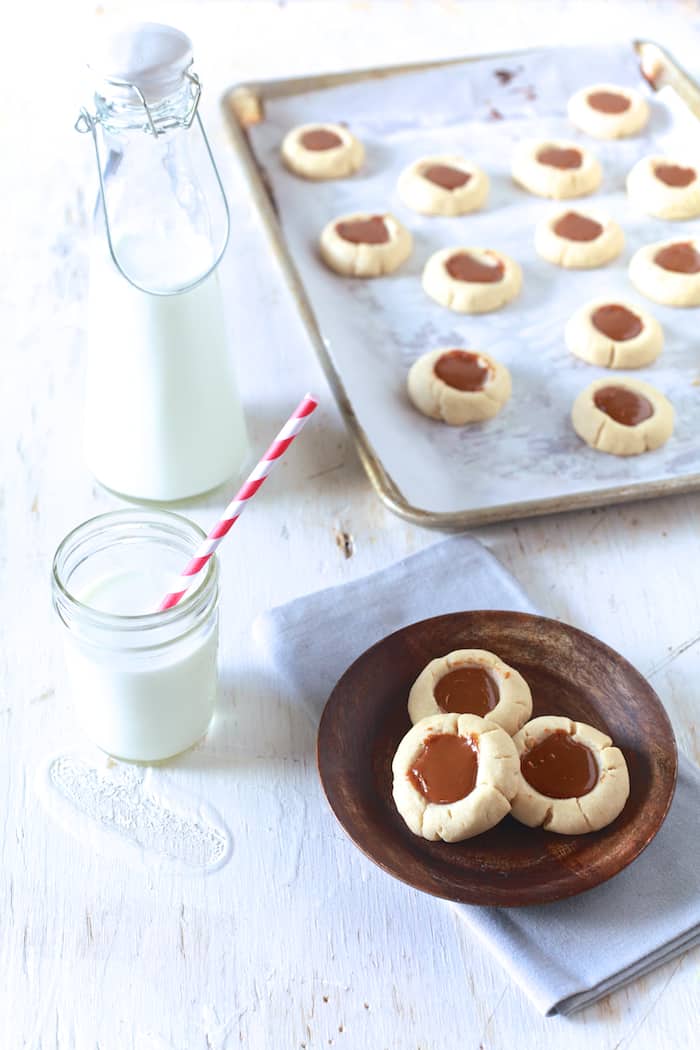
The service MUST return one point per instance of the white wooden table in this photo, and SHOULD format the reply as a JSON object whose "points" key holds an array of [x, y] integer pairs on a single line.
{"points": [[297, 942]]}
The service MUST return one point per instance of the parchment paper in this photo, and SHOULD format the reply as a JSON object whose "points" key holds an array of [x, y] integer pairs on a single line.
{"points": [[375, 329]]}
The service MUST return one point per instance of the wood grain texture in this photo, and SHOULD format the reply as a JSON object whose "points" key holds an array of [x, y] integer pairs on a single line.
{"points": [[299, 942], [570, 674]]}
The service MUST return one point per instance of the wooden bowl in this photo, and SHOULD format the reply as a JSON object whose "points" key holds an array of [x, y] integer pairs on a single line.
{"points": [[570, 673]]}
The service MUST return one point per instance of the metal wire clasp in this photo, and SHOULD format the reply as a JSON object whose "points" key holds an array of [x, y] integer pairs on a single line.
{"points": [[86, 122]]}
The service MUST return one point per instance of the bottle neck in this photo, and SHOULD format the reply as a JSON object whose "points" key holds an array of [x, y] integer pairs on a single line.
{"points": [[121, 108], [162, 199]]}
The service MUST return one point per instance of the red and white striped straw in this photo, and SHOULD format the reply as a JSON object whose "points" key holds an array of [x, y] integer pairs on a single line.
{"points": [[240, 501]]}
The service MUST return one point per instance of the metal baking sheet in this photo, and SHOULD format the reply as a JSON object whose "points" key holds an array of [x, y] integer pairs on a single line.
{"points": [[368, 332]]}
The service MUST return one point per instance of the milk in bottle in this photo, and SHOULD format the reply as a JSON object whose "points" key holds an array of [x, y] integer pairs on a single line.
{"points": [[163, 418]]}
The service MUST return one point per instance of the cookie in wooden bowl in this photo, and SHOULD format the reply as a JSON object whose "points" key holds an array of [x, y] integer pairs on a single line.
{"points": [[475, 682], [572, 779], [454, 776]]}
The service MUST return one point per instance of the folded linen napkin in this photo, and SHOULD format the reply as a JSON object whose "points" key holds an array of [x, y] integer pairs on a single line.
{"points": [[647, 914]]}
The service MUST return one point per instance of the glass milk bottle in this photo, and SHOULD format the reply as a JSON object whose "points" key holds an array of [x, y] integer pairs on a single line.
{"points": [[163, 419]]}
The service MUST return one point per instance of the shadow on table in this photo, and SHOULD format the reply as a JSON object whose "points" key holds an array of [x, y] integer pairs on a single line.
{"points": [[253, 724]]}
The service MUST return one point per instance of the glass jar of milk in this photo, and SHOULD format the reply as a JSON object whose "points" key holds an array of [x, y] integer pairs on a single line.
{"points": [[144, 683], [163, 419]]}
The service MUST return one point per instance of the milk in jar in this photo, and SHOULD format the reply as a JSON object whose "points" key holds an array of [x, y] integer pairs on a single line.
{"points": [[143, 683], [163, 419]]}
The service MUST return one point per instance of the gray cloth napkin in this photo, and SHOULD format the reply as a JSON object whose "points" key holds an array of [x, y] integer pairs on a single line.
{"points": [[563, 955]]}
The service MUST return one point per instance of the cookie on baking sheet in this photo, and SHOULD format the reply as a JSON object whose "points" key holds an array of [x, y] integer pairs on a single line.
{"points": [[474, 682], [458, 386], [668, 272], [454, 776], [665, 187], [322, 151], [471, 280], [572, 779], [608, 111], [614, 334], [622, 416], [577, 239], [443, 185], [556, 168], [365, 244]]}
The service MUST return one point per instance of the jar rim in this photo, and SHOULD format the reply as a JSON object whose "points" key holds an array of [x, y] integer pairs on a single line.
{"points": [[188, 605]]}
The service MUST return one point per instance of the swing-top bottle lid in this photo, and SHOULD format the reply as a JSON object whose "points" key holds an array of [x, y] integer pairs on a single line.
{"points": [[152, 57]]}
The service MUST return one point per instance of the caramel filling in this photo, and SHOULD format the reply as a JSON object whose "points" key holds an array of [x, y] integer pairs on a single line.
{"points": [[465, 267], [462, 370], [445, 768], [364, 231], [623, 405], [564, 159], [318, 139], [674, 175], [608, 102], [576, 227], [466, 691], [560, 767], [617, 322], [446, 177], [681, 257]]}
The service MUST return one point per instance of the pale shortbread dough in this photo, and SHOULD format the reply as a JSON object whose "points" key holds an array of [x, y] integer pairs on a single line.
{"points": [[664, 286], [496, 780], [655, 197], [608, 125], [544, 180], [437, 400], [428, 198], [572, 816], [586, 341], [601, 432], [514, 705], [471, 297], [334, 163], [365, 260], [578, 255]]}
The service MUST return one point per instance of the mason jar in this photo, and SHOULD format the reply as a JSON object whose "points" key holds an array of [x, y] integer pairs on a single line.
{"points": [[143, 682]]}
